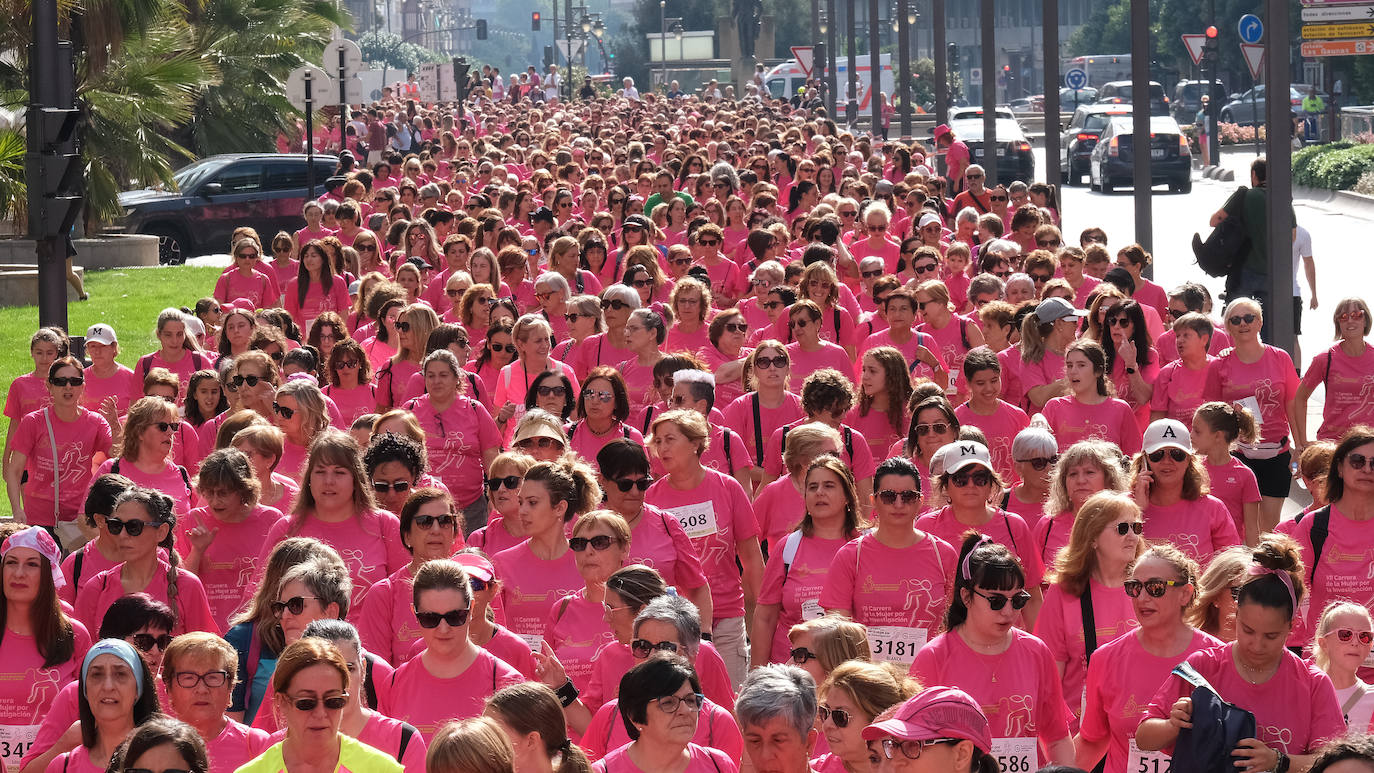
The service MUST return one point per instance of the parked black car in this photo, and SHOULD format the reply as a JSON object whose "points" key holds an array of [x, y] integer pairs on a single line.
{"points": [[218, 194], [1079, 139], [1113, 160], [1015, 158]]}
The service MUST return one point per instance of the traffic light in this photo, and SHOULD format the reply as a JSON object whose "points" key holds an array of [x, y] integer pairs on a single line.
{"points": [[534, 21], [953, 55], [1211, 46], [56, 166], [481, 29], [460, 76], [548, 55]]}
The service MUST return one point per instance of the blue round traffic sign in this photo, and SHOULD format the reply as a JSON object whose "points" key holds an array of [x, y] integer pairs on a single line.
{"points": [[1076, 78], [1251, 29]]}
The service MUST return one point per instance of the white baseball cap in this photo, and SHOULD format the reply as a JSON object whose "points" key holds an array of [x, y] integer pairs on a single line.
{"points": [[1166, 433], [101, 333], [927, 219], [963, 453]]}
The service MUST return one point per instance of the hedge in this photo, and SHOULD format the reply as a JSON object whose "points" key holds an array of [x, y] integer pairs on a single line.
{"points": [[1337, 166]]}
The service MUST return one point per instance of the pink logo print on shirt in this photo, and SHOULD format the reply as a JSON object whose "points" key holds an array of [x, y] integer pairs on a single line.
{"points": [[42, 692]]}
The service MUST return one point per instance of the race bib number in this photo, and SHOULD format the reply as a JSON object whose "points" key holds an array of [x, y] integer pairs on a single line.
{"points": [[811, 609], [895, 643], [533, 640], [15, 741], [1015, 755], [1138, 761], [697, 520]]}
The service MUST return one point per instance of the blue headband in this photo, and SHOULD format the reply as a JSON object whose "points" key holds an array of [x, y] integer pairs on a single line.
{"points": [[120, 649]]}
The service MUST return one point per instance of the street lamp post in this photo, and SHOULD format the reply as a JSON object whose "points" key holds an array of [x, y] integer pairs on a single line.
{"points": [[851, 106], [902, 23], [663, 41]]}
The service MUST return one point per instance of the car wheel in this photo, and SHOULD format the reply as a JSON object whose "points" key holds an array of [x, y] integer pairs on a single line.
{"points": [[1107, 186], [172, 244], [1185, 184], [1226, 117]]}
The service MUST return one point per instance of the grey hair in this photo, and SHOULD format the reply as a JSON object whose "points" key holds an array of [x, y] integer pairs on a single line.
{"points": [[871, 261], [1003, 248], [777, 690], [430, 191], [771, 268], [326, 578], [679, 613], [334, 631], [1020, 278], [723, 171], [1035, 440], [445, 356], [589, 305], [623, 292], [556, 282], [967, 214]]}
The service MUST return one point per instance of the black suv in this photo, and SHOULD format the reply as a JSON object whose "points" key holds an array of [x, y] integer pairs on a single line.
{"points": [[1079, 139], [218, 194]]}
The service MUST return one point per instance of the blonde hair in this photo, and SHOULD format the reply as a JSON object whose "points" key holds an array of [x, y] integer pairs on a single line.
{"points": [[1333, 610], [834, 640], [804, 443], [1227, 567], [143, 414], [475, 745], [608, 518], [1105, 455], [1076, 560], [874, 687], [422, 321], [690, 423], [683, 285]]}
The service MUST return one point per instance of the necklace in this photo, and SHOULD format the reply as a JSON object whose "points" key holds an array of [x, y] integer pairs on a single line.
{"points": [[1244, 669]]}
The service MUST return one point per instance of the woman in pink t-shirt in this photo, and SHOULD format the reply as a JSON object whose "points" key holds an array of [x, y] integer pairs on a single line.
{"points": [[413, 327], [1131, 357], [604, 405], [1084, 607], [198, 675], [809, 352], [645, 334], [691, 305], [1045, 337], [1347, 370], [460, 437], [1215, 428], [29, 392], [1009, 672], [884, 389], [954, 335], [179, 353], [576, 628], [106, 380], [849, 700], [999, 420], [236, 334], [1089, 410], [798, 565], [451, 677], [117, 693], [299, 411], [1125, 673], [1171, 486], [1087, 467], [779, 505], [1034, 452], [1179, 385], [315, 288], [533, 340], [348, 375], [769, 370], [503, 528], [934, 425], [144, 452], [1293, 702], [245, 285]]}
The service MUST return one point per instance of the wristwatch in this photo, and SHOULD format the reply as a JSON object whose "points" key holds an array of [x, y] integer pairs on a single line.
{"points": [[1130, 371], [1281, 763]]}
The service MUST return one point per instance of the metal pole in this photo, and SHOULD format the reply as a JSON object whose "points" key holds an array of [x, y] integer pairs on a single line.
{"points": [[1049, 42], [875, 70], [988, 42], [45, 69], [567, 75], [903, 89], [1279, 179], [943, 67], [851, 107], [815, 30], [343, 101], [1214, 103], [662, 42], [310, 134], [1140, 125], [832, 53], [1254, 113]]}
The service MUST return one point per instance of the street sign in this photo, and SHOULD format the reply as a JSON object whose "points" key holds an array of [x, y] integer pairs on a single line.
{"points": [[1076, 79], [1332, 13], [1338, 47], [1321, 31], [353, 56], [1254, 58], [319, 86], [805, 56], [354, 92], [1251, 29], [975, 76], [1195, 44]]}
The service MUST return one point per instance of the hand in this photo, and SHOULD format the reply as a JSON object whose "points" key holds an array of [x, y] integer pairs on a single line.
{"points": [[1253, 756], [507, 411], [1181, 714], [201, 538], [1141, 492], [109, 409], [1126, 351], [927, 356], [1312, 304], [547, 667]]}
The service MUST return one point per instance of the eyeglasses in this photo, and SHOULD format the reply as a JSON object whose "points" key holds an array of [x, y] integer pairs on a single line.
{"points": [[771, 305], [133, 526], [478, 584], [167, 426], [1039, 463], [614, 303], [799, 323], [1118, 322], [60, 381], [252, 381], [445, 521], [938, 428], [1154, 586], [925, 268], [382, 487], [708, 242], [996, 601], [146, 642], [599, 542], [890, 497], [332, 703], [979, 479], [839, 716], [800, 655], [1177, 454], [572, 317], [365, 247], [911, 749], [625, 484], [1039, 278], [671, 703], [736, 327], [1354, 315], [248, 255], [1130, 526], [189, 679], [456, 618], [404, 327], [1346, 634], [681, 261], [539, 442], [551, 391], [642, 647], [1357, 461], [508, 348], [1237, 319], [997, 198], [283, 411], [1047, 243], [295, 605], [511, 482]]}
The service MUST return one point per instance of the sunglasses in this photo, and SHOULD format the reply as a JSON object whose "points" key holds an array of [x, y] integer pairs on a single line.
{"points": [[1040, 278], [599, 542], [996, 601], [508, 348], [134, 527], [248, 255], [1357, 461], [681, 261], [1039, 463], [643, 283], [551, 391], [295, 605], [798, 324], [643, 647], [925, 268], [938, 428], [332, 703], [771, 305], [1176, 313], [980, 479], [839, 716], [1352, 315], [541, 442], [1048, 243], [61, 381], [1128, 526], [997, 198], [382, 487], [625, 484], [616, 303], [365, 247], [890, 497], [879, 227], [1346, 634], [283, 411], [736, 327], [346, 365], [1118, 321], [456, 618], [1237, 319], [709, 242], [872, 274], [511, 482], [849, 214], [1177, 454], [1153, 586], [146, 642], [572, 317], [801, 654], [478, 585]]}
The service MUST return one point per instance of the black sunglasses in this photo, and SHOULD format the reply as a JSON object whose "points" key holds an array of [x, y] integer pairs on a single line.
{"points": [[625, 484], [890, 497], [382, 487], [146, 642], [1136, 526], [134, 527], [509, 348], [614, 303], [839, 716], [1039, 463], [1177, 454], [764, 363], [997, 601], [333, 703], [1237, 319], [446, 521], [239, 380], [642, 647], [579, 544], [800, 655], [283, 411], [962, 479], [60, 381], [456, 618], [1153, 586], [511, 482], [295, 605], [551, 391], [169, 426]]}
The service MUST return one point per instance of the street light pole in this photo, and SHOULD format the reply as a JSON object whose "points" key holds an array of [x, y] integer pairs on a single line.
{"points": [[875, 70], [851, 107], [904, 54], [663, 41], [832, 54]]}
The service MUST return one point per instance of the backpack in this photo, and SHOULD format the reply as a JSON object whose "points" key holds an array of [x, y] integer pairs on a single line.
{"points": [[1321, 529], [1218, 727], [1225, 248]]}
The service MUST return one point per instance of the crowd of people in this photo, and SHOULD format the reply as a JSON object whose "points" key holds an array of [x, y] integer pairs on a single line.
{"points": [[665, 435]]}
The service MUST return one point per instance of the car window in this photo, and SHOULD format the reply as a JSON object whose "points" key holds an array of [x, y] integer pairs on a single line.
{"points": [[241, 177], [286, 176], [1096, 122]]}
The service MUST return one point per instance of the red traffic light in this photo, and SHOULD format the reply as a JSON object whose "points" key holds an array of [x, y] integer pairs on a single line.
{"points": [[1006, 68], [1211, 32], [535, 17]]}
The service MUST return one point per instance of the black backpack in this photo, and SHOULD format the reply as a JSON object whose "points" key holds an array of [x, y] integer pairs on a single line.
{"points": [[1225, 248]]}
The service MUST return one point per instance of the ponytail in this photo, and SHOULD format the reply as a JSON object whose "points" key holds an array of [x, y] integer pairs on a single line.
{"points": [[1233, 420], [1275, 578]]}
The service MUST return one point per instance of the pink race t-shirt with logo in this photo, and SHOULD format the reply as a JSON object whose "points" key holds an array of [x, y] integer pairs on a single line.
{"points": [[386, 623], [1178, 391], [1048, 370], [796, 586], [191, 607], [369, 543], [1236, 486], [700, 760], [256, 289], [1060, 626], [1005, 528], [60, 476], [28, 687], [717, 515], [805, 363], [172, 480], [576, 630], [778, 509], [353, 402], [1112, 420], [1342, 572], [428, 702], [854, 449], [1167, 345], [120, 386], [494, 537], [1270, 380], [183, 368], [455, 440], [658, 541], [1000, 428], [615, 659], [530, 586], [229, 568], [695, 342], [235, 746], [317, 300], [883, 586], [739, 416], [28, 393], [877, 429], [1349, 389], [1199, 527]]}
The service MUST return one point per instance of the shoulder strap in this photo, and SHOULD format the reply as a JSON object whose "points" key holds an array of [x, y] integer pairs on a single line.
{"points": [[729, 461], [56, 463], [624, 430], [369, 686], [1329, 354], [185, 478], [76, 568], [114, 468], [408, 732], [146, 363], [472, 383], [1006, 500], [963, 333], [1085, 605], [789, 552], [837, 324], [572, 430], [848, 436], [648, 418], [758, 426], [1321, 527], [782, 445], [1360, 691]]}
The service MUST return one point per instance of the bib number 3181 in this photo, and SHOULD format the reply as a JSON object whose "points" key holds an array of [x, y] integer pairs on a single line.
{"points": [[1015, 755], [895, 643]]}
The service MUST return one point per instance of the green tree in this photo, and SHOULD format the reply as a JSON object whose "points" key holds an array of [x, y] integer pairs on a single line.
{"points": [[391, 49]]}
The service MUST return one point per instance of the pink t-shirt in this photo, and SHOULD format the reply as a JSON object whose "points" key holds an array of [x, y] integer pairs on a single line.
{"points": [[1178, 391], [255, 289], [1111, 420], [424, 700], [717, 515], [739, 416], [1148, 293], [229, 569], [1052, 534], [93, 562], [658, 541], [778, 509], [1060, 626], [1030, 512], [1037, 374], [393, 380], [530, 586], [1349, 389], [680, 341], [1342, 572], [1121, 380], [386, 622], [576, 630], [354, 402], [455, 439], [1236, 486], [191, 607], [909, 349], [639, 382], [726, 391], [77, 760], [183, 368], [1019, 689], [877, 428], [1271, 380], [307, 235], [587, 444], [507, 647], [702, 760], [27, 687], [796, 586], [600, 349], [317, 300], [1167, 344], [716, 730], [1005, 528], [173, 480], [369, 543], [1000, 428], [889, 252], [1013, 387], [1122, 678], [1199, 527], [1295, 710], [854, 449], [59, 477], [836, 324], [494, 538], [882, 586], [235, 746], [805, 363], [950, 340], [121, 386], [28, 393]]}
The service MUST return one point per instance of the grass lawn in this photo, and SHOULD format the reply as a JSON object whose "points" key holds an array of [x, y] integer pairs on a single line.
{"points": [[126, 299]]}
